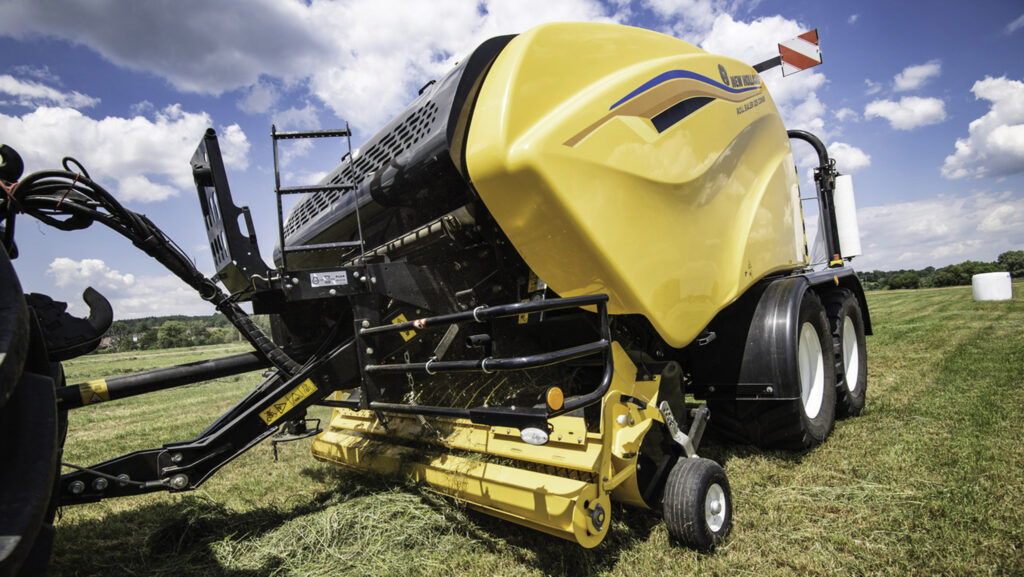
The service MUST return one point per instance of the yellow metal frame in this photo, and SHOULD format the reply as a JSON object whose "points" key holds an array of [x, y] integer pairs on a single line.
{"points": [[553, 488]]}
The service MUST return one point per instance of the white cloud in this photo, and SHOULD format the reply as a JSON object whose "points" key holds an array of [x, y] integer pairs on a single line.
{"points": [[40, 73], [130, 296], [303, 177], [143, 156], [690, 20], [941, 231], [849, 158], [304, 118], [852, 19], [1015, 25], [995, 142], [139, 188], [909, 113], [844, 114], [872, 87], [87, 272], [914, 77], [259, 98], [32, 94]]}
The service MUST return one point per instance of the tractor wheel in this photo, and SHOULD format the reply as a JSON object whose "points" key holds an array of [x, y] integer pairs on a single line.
{"points": [[847, 326], [698, 504], [804, 421]]}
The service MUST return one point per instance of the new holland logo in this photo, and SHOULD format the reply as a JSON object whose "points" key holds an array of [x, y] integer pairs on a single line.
{"points": [[724, 74]]}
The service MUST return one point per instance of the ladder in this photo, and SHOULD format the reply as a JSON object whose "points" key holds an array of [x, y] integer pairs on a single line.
{"points": [[279, 191]]}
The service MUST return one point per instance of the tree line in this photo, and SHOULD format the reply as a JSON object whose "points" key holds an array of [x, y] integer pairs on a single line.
{"points": [[173, 331], [1011, 261]]}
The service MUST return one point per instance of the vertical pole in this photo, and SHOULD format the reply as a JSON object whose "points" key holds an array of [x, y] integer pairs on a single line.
{"points": [[280, 210], [352, 191]]}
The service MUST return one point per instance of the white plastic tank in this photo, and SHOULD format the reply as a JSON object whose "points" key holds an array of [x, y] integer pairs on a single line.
{"points": [[846, 217], [992, 286]]}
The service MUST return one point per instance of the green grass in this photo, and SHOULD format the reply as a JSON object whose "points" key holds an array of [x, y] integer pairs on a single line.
{"points": [[928, 481]]}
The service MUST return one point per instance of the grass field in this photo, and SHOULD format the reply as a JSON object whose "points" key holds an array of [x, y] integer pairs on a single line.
{"points": [[928, 481]]}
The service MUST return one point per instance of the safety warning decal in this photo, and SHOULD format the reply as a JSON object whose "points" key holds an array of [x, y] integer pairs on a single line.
{"points": [[94, 392], [288, 401], [406, 335]]}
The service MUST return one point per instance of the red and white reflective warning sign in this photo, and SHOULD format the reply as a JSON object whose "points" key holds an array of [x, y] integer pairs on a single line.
{"points": [[800, 53]]}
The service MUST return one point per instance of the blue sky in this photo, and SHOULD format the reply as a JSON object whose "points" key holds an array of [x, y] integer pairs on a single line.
{"points": [[922, 101]]}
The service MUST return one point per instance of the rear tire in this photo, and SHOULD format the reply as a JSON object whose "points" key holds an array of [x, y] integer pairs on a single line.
{"points": [[799, 423], [698, 503], [847, 324]]}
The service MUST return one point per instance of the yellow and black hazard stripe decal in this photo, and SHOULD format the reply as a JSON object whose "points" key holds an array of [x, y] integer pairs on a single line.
{"points": [[289, 401]]}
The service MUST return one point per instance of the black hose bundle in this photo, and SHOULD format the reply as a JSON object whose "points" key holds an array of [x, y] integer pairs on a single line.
{"points": [[70, 200]]}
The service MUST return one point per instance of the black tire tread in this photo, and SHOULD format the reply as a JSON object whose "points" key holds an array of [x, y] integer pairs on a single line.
{"points": [[848, 404], [683, 503], [769, 424]]}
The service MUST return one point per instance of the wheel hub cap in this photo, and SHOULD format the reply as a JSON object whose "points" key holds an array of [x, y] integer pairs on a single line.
{"points": [[812, 370], [715, 508], [851, 354]]}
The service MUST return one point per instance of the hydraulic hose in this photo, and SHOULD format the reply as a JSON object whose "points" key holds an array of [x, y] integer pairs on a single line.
{"points": [[47, 195]]}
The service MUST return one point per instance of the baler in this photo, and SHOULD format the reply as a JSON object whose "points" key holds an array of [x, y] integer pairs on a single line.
{"points": [[533, 290]]}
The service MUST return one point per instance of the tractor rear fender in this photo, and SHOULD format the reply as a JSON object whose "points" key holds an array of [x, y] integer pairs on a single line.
{"points": [[769, 348]]}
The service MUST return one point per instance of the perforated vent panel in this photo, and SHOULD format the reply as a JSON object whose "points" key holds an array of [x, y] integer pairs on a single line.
{"points": [[416, 126]]}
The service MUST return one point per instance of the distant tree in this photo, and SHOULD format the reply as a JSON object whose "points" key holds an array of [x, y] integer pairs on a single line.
{"points": [[172, 334], [120, 337], [944, 278], [904, 280], [149, 339], [1012, 261]]}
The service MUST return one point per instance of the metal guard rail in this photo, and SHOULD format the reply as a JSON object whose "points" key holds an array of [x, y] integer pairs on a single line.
{"points": [[519, 417]]}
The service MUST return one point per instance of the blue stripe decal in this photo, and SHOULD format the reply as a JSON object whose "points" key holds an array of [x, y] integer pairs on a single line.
{"points": [[672, 75]]}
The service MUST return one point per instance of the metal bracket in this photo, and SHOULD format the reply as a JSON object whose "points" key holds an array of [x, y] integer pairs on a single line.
{"points": [[689, 442]]}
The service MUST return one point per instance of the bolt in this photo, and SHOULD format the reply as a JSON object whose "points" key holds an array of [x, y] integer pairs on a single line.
{"points": [[362, 279], [579, 440], [770, 390], [369, 350], [559, 437], [295, 280], [631, 421], [508, 431], [366, 324], [122, 478], [604, 479], [621, 419], [179, 482], [176, 458], [288, 286], [76, 487], [716, 507], [100, 483], [332, 292], [711, 389], [373, 280]]}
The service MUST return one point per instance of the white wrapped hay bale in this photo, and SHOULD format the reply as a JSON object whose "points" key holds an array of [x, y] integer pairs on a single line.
{"points": [[992, 286]]}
